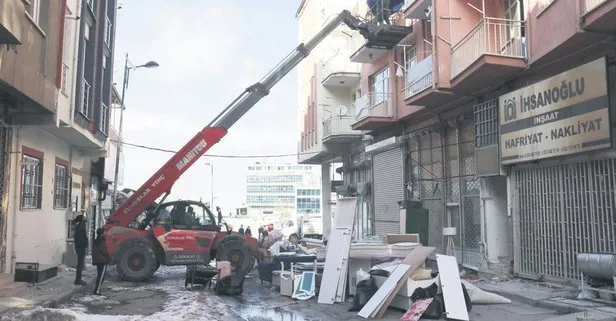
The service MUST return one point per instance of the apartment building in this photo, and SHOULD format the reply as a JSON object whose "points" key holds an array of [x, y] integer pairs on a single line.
{"points": [[55, 86], [327, 85], [471, 126]]}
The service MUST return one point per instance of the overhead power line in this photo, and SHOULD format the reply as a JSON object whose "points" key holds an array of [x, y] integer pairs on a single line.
{"points": [[218, 156]]}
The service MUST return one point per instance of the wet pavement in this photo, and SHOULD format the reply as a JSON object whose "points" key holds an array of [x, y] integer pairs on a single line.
{"points": [[165, 298]]}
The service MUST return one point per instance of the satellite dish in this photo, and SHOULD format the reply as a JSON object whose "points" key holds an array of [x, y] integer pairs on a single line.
{"points": [[341, 110]]}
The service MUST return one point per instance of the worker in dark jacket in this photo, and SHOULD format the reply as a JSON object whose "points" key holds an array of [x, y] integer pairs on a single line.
{"points": [[100, 258], [81, 245]]}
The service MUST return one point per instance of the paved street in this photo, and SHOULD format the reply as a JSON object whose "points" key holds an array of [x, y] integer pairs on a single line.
{"points": [[165, 298]]}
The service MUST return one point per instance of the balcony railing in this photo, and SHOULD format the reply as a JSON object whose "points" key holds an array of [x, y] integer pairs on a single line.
{"points": [[419, 77], [491, 36], [338, 125], [588, 5], [381, 12], [373, 105], [85, 98]]}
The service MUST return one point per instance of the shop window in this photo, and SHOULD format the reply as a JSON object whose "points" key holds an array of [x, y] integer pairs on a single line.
{"points": [[31, 182]]}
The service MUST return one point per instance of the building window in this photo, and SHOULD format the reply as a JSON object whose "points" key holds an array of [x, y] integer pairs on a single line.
{"points": [[486, 123], [65, 52], [33, 8], [379, 85], [84, 107], [107, 31], [91, 4], [61, 186], [64, 84], [411, 58], [31, 182], [102, 124], [513, 16]]}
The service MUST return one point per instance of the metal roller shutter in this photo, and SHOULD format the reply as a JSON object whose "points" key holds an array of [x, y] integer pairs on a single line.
{"points": [[388, 190]]}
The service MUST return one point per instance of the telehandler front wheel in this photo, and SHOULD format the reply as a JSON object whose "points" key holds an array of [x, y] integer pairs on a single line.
{"points": [[136, 261]]}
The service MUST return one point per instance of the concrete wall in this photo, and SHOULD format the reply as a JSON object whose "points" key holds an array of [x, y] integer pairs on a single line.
{"points": [[40, 234], [560, 17], [496, 233]]}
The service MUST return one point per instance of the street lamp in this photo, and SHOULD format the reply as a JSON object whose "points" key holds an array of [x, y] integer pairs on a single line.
{"points": [[127, 68], [211, 185]]}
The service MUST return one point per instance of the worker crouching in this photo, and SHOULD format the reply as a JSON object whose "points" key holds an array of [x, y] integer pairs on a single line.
{"points": [[100, 258]]}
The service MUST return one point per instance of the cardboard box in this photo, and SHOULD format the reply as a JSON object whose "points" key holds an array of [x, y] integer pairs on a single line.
{"points": [[401, 238], [224, 267]]}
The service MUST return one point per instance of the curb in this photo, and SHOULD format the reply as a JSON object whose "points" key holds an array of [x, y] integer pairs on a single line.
{"points": [[541, 303]]}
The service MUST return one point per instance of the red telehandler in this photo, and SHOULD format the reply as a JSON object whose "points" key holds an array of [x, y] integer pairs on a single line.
{"points": [[142, 234]]}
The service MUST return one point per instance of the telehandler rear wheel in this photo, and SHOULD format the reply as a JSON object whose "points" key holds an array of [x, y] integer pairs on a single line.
{"points": [[136, 261], [238, 252]]}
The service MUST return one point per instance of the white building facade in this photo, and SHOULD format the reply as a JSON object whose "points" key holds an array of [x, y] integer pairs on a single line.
{"points": [[282, 191], [328, 86]]}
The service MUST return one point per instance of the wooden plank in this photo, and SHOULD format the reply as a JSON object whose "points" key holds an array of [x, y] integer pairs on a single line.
{"points": [[415, 259], [401, 272], [455, 305]]}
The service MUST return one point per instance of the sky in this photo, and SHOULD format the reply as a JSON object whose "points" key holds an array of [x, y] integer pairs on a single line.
{"points": [[209, 52]]}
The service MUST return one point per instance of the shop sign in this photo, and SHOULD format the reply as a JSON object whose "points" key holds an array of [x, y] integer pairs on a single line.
{"points": [[562, 115]]}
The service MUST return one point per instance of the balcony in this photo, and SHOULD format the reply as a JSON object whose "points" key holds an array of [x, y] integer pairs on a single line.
{"points": [[337, 130], [598, 15], [493, 50], [338, 72], [11, 19], [419, 77], [373, 111]]}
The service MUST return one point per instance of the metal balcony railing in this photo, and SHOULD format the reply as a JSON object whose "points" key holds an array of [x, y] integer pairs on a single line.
{"points": [[373, 105], [492, 36], [419, 77], [338, 125], [85, 98], [384, 11], [588, 5]]}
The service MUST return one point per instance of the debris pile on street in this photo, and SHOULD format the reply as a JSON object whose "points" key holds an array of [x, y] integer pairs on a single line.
{"points": [[379, 273]]}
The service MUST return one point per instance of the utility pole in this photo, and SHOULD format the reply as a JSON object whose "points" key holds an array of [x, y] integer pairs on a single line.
{"points": [[120, 138], [127, 68]]}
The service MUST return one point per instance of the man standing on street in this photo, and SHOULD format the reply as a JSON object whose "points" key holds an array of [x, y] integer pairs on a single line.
{"points": [[100, 258], [81, 245]]}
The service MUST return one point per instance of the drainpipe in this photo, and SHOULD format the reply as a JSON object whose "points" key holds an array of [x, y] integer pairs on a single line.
{"points": [[12, 218]]}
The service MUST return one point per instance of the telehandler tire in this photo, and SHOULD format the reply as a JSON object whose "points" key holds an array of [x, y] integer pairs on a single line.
{"points": [[238, 252], [136, 261]]}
